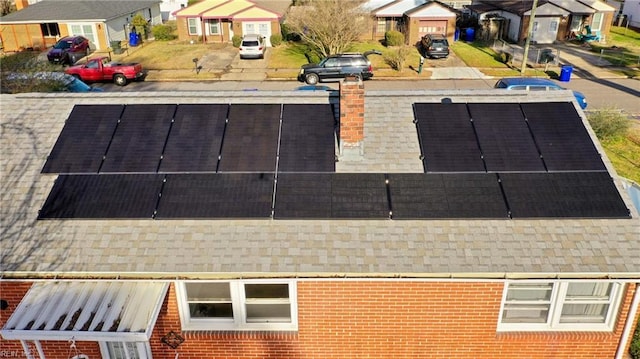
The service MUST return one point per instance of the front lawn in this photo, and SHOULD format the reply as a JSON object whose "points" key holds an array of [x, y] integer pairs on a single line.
{"points": [[477, 54]]}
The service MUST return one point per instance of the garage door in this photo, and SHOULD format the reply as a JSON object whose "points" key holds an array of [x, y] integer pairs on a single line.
{"points": [[432, 27], [261, 27]]}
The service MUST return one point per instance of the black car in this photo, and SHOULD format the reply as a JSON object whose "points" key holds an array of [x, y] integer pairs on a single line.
{"points": [[435, 46], [68, 50], [337, 67]]}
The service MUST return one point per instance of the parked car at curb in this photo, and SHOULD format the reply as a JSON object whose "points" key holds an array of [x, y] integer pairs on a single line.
{"points": [[536, 84], [100, 69], [58, 80], [435, 46], [337, 67], [68, 50], [252, 46]]}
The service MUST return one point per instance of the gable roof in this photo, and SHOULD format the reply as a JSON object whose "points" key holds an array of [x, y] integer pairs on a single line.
{"points": [[237, 9], [434, 9], [533, 248], [77, 10], [398, 8]]}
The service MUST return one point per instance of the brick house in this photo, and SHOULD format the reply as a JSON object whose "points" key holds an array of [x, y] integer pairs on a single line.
{"points": [[340, 262], [41, 25], [413, 18], [220, 20]]}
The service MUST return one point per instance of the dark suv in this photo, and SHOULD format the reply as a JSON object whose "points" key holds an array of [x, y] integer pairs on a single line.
{"points": [[337, 67], [435, 46], [68, 50]]}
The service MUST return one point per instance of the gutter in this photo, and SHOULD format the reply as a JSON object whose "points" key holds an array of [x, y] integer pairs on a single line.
{"points": [[628, 326], [625, 277]]}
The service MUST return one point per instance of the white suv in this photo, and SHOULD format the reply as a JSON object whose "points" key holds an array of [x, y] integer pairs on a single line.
{"points": [[252, 46]]}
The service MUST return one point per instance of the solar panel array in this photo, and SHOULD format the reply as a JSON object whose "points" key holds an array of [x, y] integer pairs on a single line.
{"points": [[195, 138], [485, 161]]}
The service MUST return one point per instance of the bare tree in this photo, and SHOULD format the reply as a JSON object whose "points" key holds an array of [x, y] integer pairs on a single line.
{"points": [[6, 7], [329, 26]]}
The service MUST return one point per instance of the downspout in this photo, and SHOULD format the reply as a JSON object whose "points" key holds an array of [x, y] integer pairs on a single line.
{"points": [[628, 327]]}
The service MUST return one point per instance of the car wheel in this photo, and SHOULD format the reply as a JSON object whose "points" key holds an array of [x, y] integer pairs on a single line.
{"points": [[311, 79], [119, 79]]}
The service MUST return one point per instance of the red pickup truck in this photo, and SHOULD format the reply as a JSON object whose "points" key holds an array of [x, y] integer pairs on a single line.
{"points": [[100, 69]]}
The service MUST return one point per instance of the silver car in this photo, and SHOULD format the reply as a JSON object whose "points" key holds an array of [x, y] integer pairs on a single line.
{"points": [[252, 46]]}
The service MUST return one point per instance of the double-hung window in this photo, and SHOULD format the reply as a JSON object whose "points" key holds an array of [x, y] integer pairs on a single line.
{"points": [[214, 27], [559, 306], [238, 305], [192, 24]]}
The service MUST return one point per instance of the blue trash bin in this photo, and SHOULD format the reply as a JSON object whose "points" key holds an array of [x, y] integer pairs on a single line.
{"points": [[565, 73], [133, 39], [471, 34]]}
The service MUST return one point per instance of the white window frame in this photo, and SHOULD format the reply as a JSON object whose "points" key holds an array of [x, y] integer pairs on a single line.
{"points": [[143, 350], [556, 302], [239, 301], [195, 25], [218, 24]]}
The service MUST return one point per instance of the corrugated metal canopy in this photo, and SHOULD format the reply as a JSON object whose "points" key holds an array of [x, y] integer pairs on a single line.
{"points": [[87, 310]]}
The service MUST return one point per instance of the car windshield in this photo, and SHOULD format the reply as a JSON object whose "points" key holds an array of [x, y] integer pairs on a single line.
{"points": [[249, 43], [62, 45]]}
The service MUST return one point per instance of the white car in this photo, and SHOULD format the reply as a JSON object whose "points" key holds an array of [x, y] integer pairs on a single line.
{"points": [[252, 46]]}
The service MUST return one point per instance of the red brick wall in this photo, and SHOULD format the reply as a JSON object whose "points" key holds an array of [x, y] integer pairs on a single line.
{"points": [[374, 319], [351, 112]]}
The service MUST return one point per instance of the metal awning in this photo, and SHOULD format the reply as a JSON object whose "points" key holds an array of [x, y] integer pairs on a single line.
{"points": [[87, 310]]}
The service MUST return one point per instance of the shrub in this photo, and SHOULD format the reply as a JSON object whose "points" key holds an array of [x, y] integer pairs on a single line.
{"points": [[289, 35], [393, 38], [609, 123], [236, 40], [276, 39], [164, 32], [140, 25], [398, 57], [634, 348]]}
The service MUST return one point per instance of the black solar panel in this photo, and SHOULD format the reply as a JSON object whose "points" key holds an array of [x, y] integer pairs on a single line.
{"points": [[140, 138], [103, 196], [463, 195], [505, 139], [303, 195], [307, 141], [195, 139], [562, 138], [563, 194], [447, 140], [359, 195], [217, 195], [84, 139], [251, 139]]}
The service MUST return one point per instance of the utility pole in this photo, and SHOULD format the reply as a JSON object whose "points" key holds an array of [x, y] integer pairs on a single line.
{"points": [[527, 42]]}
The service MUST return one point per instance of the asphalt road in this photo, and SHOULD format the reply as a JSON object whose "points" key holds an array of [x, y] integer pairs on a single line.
{"points": [[622, 94]]}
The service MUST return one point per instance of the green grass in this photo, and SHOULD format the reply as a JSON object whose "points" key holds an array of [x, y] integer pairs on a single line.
{"points": [[477, 54], [624, 153], [622, 48]]}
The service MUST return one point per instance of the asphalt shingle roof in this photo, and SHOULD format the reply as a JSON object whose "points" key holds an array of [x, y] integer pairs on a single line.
{"points": [[71, 10], [31, 124]]}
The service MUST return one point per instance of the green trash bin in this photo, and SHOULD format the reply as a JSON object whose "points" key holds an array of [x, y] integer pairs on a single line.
{"points": [[115, 46]]}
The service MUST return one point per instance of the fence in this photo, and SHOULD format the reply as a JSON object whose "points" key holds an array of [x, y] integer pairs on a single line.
{"points": [[617, 58], [537, 56]]}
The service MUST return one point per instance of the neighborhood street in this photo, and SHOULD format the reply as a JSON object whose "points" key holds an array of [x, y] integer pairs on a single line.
{"points": [[618, 93]]}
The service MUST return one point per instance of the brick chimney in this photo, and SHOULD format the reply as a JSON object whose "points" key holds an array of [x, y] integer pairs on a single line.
{"points": [[351, 117]]}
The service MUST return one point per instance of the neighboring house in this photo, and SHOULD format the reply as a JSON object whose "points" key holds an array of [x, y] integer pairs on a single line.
{"points": [[555, 20], [40, 25], [414, 18], [220, 20], [631, 8], [281, 224], [167, 7]]}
